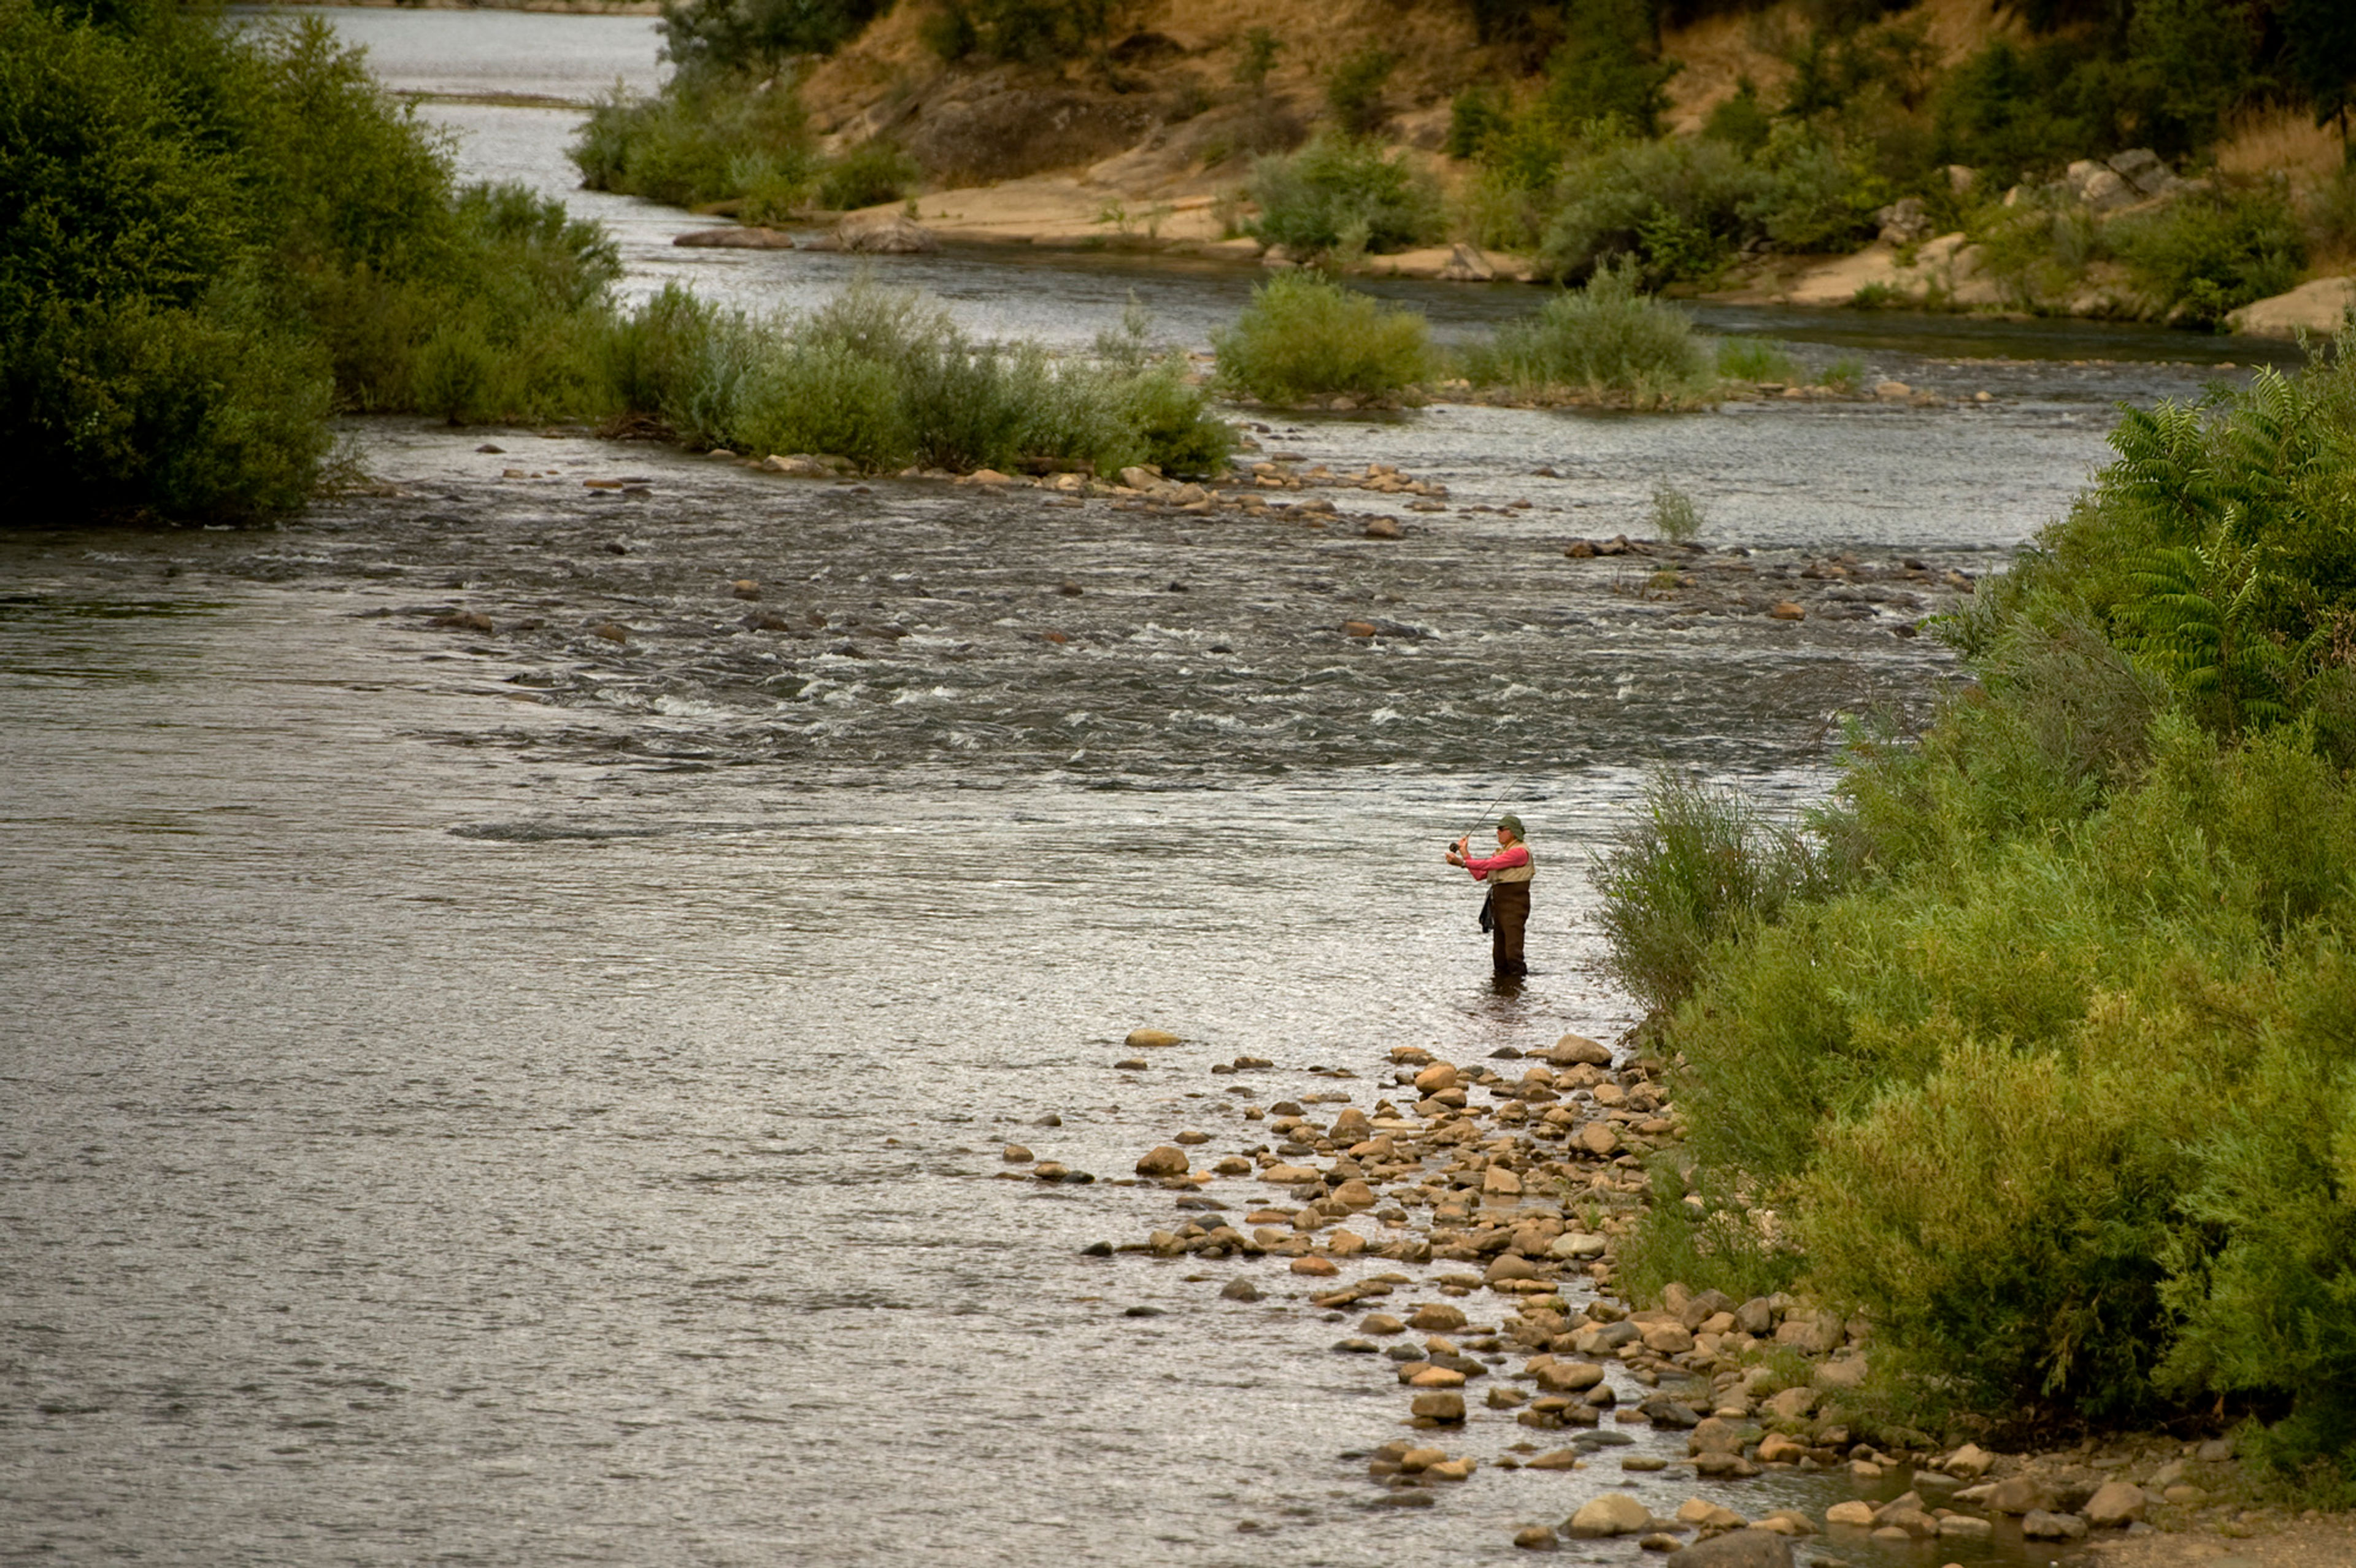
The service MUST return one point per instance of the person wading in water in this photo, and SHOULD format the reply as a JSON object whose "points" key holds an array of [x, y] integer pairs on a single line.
{"points": [[1508, 873]]}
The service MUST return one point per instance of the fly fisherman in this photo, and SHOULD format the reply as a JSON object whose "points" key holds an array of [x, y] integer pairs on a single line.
{"points": [[1507, 872]]}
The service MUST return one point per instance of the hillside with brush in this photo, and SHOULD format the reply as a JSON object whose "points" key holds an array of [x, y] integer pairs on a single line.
{"points": [[2159, 159]]}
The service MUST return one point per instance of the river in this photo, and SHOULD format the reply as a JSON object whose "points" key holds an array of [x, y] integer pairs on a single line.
{"points": [[518, 1097]]}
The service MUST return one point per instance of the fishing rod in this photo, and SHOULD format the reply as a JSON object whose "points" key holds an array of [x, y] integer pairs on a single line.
{"points": [[1486, 812]]}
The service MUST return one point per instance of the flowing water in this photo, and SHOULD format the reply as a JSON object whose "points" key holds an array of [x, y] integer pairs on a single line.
{"points": [[518, 1097]]}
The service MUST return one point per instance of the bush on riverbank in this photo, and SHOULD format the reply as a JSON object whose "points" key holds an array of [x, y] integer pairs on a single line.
{"points": [[1304, 335], [2053, 1073], [1342, 195], [707, 136], [222, 234], [887, 380], [1606, 341]]}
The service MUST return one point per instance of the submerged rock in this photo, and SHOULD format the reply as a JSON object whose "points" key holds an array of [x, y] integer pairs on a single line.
{"points": [[735, 238]]}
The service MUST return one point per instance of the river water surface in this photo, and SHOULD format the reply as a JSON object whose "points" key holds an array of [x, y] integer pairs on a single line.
{"points": [[522, 1097]]}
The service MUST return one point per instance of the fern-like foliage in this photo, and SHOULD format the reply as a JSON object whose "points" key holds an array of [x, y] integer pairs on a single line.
{"points": [[2196, 617]]}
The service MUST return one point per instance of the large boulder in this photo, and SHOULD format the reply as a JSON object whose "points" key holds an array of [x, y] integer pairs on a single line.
{"points": [[1576, 1047], [2319, 308], [883, 233], [1166, 1160], [2115, 1504], [1736, 1549], [1613, 1513]]}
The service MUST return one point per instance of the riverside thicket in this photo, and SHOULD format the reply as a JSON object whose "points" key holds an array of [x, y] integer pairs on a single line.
{"points": [[219, 235], [2040, 1040]]}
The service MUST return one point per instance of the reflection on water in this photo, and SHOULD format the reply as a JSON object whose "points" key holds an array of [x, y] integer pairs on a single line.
{"points": [[514, 1095]]}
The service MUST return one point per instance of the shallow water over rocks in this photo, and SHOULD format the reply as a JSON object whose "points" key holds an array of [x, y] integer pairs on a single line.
{"points": [[509, 1092]]}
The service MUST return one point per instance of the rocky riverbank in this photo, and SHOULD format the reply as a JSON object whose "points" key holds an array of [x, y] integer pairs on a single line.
{"points": [[1465, 1230]]}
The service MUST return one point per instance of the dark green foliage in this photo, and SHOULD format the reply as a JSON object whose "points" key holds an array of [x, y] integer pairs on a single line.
{"points": [[1741, 121], [1342, 194], [2053, 1073], [1039, 32], [2319, 56], [1814, 196], [2209, 254], [1353, 94], [705, 137], [1676, 208], [758, 35], [1477, 114], [869, 175], [1304, 335], [2187, 62]]}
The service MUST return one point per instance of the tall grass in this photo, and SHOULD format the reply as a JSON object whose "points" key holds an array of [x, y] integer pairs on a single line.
{"points": [[1749, 360], [1699, 866], [1304, 335], [1605, 341]]}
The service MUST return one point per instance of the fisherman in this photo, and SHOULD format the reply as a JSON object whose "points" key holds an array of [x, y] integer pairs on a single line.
{"points": [[1507, 872]]}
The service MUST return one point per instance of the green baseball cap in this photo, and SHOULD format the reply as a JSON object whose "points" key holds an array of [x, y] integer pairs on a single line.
{"points": [[1511, 824]]}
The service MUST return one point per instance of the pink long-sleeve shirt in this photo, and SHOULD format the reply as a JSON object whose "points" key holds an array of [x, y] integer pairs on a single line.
{"points": [[1505, 860]]}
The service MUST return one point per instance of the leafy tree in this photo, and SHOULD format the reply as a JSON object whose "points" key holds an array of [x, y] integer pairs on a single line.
{"points": [[1608, 67], [756, 35], [2319, 56]]}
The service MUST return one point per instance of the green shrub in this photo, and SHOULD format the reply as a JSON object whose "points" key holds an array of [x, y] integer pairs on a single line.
{"points": [[1717, 1245], [1337, 194], [455, 373], [708, 136], [825, 397], [1676, 207], [2002, 1219], [1740, 122], [1605, 340], [2203, 256], [2039, 249], [1845, 374], [2050, 1068], [1674, 516], [1304, 335], [1813, 198], [868, 176], [1474, 116]]}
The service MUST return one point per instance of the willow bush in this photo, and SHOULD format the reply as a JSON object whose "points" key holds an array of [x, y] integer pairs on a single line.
{"points": [[1305, 336]]}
